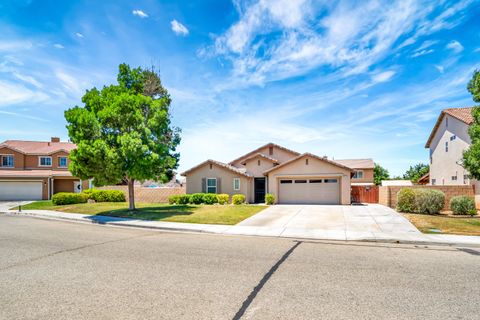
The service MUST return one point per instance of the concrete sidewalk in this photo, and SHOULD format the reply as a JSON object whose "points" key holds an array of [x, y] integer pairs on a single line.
{"points": [[417, 238]]}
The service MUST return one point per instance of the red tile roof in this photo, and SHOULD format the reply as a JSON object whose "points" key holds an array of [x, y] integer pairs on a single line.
{"points": [[261, 155], [462, 114], [220, 164], [38, 147]]}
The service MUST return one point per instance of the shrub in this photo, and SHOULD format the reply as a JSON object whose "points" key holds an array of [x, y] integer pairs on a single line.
{"points": [[210, 198], [223, 198], [406, 200], [429, 201], [238, 199], [63, 198], [105, 195], [462, 205], [175, 199], [196, 198], [184, 199], [269, 198]]}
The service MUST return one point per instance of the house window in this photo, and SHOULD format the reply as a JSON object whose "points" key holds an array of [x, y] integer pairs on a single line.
{"points": [[453, 137], [212, 185], [62, 162], [454, 178], [236, 184], [330, 180], [285, 181], [446, 146], [358, 175], [45, 161], [7, 161], [434, 181]]}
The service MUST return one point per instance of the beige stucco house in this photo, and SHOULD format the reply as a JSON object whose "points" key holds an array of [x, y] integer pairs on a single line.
{"points": [[35, 170], [292, 177], [447, 141]]}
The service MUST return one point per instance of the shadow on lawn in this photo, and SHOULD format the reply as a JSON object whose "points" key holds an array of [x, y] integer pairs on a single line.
{"points": [[145, 213]]}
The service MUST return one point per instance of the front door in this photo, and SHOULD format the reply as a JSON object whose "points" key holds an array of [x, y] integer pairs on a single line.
{"points": [[259, 190]]}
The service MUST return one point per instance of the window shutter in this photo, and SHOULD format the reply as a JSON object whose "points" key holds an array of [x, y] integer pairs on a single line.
{"points": [[219, 185], [204, 185]]}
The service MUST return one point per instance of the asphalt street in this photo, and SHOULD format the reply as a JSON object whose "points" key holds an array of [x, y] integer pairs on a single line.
{"points": [[61, 270]]}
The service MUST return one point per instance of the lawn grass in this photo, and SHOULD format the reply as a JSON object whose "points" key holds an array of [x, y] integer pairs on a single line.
{"points": [[208, 214], [446, 224]]}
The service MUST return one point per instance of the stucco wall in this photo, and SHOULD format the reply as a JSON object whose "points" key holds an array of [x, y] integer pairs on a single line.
{"points": [[316, 168], [278, 154], [194, 180], [32, 161], [444, 164], [257, 170], [367, 176]]}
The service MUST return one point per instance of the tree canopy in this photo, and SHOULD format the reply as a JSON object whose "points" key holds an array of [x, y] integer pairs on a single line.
{"points": [[471, 156], [417, 171], [123, 132], [379, 174]]}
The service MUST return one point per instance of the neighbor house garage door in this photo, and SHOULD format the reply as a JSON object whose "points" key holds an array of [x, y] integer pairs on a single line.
{"points": [[20, 190], [309, 191]]}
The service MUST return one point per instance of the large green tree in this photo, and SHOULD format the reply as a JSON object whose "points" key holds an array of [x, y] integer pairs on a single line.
{"points": [[471, 156], [379, 174], [417, 171], [123, 132]]}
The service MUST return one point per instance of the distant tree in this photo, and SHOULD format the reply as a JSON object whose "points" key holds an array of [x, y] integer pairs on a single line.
{"points": [[379, 174], [471, 156], [417, 171], [123, 132]]}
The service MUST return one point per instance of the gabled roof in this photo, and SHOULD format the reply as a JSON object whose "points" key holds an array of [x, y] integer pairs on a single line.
{"points": [[220, 164], [307, 154], [260, 155], [357, 163], [295, 153], [38, 147], [462, 114]]}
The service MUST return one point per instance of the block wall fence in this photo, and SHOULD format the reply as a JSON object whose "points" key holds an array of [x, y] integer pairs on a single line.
{"points": [[149, 195]]}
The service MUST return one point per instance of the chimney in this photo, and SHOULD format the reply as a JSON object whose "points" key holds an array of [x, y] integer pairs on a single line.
{"points": [[55, 139]]}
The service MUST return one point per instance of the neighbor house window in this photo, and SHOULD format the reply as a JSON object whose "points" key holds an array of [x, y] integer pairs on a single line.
{"points": [[358, 175], [434, 181], [62, 162], [454, 178], [7, 161], [236, 184], [446, 146], [211, 185], [453, 137], [45, 161]]}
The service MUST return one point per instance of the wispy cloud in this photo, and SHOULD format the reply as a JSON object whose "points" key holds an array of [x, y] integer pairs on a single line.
{"points": [[179, 28], [79, 35], [455, 46], [58, 46], [139, 13]]}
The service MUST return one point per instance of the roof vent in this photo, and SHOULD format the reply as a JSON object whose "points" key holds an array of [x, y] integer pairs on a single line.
{"points": [[55, 139]]}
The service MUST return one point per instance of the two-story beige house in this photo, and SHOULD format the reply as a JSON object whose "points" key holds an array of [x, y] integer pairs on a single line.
{"points": [[292, 177], [35, 170], [447, 141]]}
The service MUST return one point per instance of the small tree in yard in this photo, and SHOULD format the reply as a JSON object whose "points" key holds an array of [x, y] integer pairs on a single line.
{"points": [[471, 157], [123, 132], [379, 174], [417, 171]]}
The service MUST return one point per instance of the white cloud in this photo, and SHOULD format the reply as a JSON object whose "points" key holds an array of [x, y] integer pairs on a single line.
{"points": [[423, 49], [421, 53], [383, 76], [440, 69], [78, 34], [58, 46], [13, 93], [179, 28], [140, 13], [455, 46], [28, 79], [15, 45]]}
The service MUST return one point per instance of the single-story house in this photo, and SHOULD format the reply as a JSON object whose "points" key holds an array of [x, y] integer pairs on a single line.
{"points": [[35, 170], [292, 177]]}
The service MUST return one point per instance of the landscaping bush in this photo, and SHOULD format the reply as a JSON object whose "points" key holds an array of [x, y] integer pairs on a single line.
{"points": [[105, 195], [269, 199], [175, 199], [406, 200], [462, 205], [238, 199], [223, 198], [63, 198], [429, 201], [197, 198], [210, 198], [184, 199]]}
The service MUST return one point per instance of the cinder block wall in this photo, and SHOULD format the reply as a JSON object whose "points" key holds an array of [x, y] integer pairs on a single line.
{"points": [[388, 195], [149, 195]]}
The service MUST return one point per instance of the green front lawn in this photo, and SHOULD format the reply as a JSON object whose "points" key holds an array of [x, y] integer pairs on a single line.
{"points": [[445, 224], [209, 214]]}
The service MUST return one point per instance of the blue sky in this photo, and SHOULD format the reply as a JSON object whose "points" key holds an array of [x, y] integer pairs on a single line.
{"points": [[354, 79]]}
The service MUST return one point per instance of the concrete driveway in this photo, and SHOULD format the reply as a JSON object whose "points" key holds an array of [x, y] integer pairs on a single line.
{"points": [[5, 205], [328, 222]]}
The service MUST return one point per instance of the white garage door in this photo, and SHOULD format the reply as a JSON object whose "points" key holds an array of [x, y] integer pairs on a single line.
{"points": [[310, 191], [20, 190]]}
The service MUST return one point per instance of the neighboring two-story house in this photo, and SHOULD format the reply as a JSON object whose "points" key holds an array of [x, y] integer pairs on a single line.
{"points": [[35, 170], [447, 141], [292, 177]]}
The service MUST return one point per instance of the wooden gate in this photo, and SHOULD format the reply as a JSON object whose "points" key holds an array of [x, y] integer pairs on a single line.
{"points": [[364, 194]]}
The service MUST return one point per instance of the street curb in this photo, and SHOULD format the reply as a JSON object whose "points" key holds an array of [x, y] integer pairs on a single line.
{"points": [[187, 230]]}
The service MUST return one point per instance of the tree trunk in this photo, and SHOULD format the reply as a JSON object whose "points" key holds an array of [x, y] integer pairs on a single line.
{"points": [[131, 194]]}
